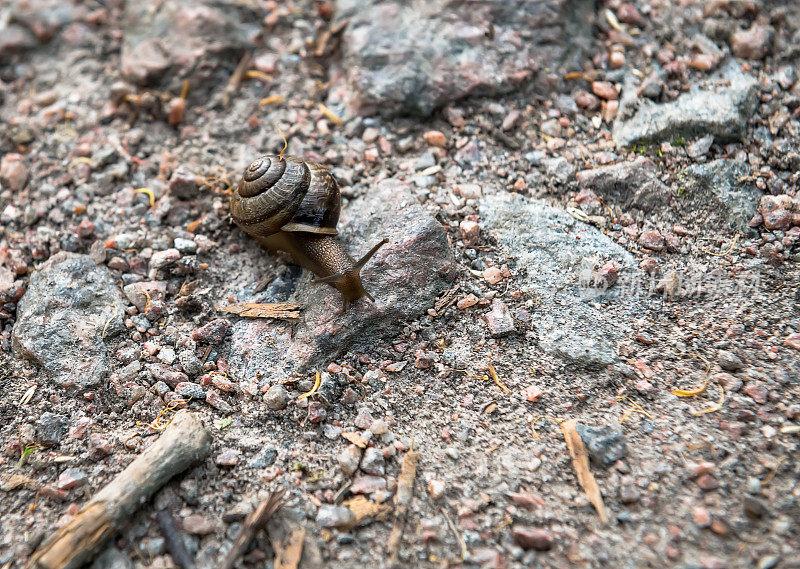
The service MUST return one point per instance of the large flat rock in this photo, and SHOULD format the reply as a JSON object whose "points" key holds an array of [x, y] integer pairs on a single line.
{"points": [[555, 255], [413, 57], [71, 308], [405, 277], [720, 105]]}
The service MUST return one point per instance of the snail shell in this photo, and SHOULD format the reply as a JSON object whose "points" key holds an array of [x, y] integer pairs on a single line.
{"points": [[293, 205], [287, 194]]}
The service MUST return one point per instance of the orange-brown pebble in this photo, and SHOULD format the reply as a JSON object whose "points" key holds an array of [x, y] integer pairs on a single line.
{"points": [[435, 138], [605, 90], [616, 59]]}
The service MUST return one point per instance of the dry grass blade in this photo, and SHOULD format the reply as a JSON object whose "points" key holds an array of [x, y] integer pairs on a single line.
{"points": [[405, 490], [699, 389], [279, 310], [28, 395], [253, 523], [580, 461]]}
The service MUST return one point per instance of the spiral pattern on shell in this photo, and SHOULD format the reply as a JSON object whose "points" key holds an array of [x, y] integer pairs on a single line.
{"points": [[289, 194]]}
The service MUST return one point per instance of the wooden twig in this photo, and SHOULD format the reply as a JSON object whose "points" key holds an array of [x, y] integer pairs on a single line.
{"points": [[253, 523], [185, 442], [173, 539], [580, 462], [235, 82], [405, 490], [279, 310]]}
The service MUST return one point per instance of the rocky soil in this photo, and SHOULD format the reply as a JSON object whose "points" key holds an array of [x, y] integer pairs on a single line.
{"points": [[597, 201]]}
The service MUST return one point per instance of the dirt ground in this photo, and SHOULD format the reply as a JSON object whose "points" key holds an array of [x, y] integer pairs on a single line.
{"points": [[700, 298]]}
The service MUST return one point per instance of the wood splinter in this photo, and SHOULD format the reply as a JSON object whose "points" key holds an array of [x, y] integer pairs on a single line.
{"points": [[253, 523], [580, 462], [184, 443]]}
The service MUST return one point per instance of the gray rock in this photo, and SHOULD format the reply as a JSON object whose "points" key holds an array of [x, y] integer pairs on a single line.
{"points": [[185, 246], [729, 361], [405, 277], [179, 40], [606, 445], [112, 558], [152, 546], [330, 516], [190, 363], [265, 457], [720, 188], [72, 306], [276, 397], [373, 462], [636, 184], [554, 253], [559, 169], [700, 147], [51, 429], [413, 57], [720, 105], [348, 459], [26, 24]]}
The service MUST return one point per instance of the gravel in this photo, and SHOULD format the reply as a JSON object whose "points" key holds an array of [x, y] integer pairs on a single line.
{"points": [[596, 278]]}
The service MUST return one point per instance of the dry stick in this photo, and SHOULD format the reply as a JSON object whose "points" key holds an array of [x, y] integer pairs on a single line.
{"points": [[253, 523], [405, 490], [580, 462], [174, 540], [280, 310], [185, 442], [235, 82]]}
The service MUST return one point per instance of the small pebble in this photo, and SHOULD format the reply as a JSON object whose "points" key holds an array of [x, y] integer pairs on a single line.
{"points": [[330, 516], [436, 488], [228, 457], [276, 397], [71, 478], [532, 538], [435, 138], [197, 524]]}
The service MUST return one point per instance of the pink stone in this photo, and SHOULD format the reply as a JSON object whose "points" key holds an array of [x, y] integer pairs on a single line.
{"points": [[533, 393], [499, 320], [470, 230], [701, 516], [493, 275], [532, 538], [652, 239], [757, 392], [13, 172], [752, 43], [367, 484], [99, 445], [71, 478], [707, 482], [228, 457]]}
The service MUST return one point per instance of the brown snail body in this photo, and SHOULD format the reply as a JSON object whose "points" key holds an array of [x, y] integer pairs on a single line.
{"points": [[292, 205]]}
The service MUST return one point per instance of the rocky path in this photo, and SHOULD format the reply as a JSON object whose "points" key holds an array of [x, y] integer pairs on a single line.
{"points": [[592, 212]]}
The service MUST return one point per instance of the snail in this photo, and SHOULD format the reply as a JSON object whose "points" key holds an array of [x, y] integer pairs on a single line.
{"points": [[290, 204]]}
